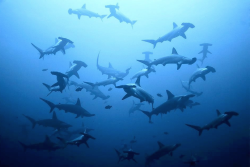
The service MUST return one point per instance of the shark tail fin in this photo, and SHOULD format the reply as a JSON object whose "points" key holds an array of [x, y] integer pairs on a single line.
{"points": [[102, 16], [154, 42], [148, 114], [31, 120], [196, 128], [52, 105], [39, 50], [24, 146], [133, 22]]}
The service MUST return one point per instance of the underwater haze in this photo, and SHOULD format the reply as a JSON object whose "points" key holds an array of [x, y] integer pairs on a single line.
{"points": [[49, 50]]}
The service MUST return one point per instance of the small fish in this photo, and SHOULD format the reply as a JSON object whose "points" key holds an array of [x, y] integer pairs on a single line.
{"points": [[166, 133], [109, 89], [79, 89], [108, 107], [181, 156], [159, 95], [44, 69]]}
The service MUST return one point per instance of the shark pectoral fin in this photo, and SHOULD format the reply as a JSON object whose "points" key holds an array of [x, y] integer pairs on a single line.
{"points": [[174, 25], [126, 96], [110, 16], [79, 16], [203, 77], [228, 123], [146, 75], [183, 35], [63, 50], [179, 65], [77, 75], [86, 144]]}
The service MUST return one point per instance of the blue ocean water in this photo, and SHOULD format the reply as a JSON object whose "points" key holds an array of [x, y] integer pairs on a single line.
{"points": [[224, 24]]}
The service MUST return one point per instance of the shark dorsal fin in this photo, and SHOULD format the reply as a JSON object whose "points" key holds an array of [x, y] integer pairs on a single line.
{"points": [[47, 140], [174, 25], [218, 113], [110, 65], [84, 6], [137, 82], [170, 95], [160, 145], [54, 116], [174, 51], [78, 103]]}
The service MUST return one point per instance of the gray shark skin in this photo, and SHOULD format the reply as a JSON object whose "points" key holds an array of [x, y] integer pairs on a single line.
{"points": [[46, 145], [84, 12], [114, 12], [200, 73], [53, 123], [134, 107], [110, 71], [204, 51], [93, 90], [110, 81], [144, 72], [137, 91], [67, 46], [174, 58], [79, 140], [62, 42], [191, 91], [221, 119], [147, 53], [130, 155], [74, 109], [191, 104], [162, 151], [177, 31], [60, 85], [173, 103], [73, 70]]}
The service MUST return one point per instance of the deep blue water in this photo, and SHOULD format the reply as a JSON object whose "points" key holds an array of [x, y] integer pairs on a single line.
{"points": [[225, 24]]}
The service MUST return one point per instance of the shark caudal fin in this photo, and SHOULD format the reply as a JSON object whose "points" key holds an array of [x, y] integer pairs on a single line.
{"points": [[154, 42], [31, 120], [24, 146], [52, 105], [196, 128], [149, 114], [133, 22], [102, 16], [39, 50]]}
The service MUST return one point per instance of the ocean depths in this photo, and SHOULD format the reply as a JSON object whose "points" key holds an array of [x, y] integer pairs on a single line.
{"points": [[41, 40]]}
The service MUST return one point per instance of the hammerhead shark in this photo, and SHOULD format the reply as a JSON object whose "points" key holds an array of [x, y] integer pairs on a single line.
{"points": [[204, 51], [177, 31], [221, 119], [114, 12], [62, 42], [73, 70], [84, 12]]}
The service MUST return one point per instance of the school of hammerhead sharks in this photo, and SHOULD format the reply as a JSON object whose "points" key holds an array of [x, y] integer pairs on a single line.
{"points": [[131, 89]]}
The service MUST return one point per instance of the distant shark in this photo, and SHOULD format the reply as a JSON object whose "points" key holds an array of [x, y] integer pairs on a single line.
{"points": [[137, 91], [173, 102], [110, 81], [79, 140], [84, 12], [62, 42], [147, 53], [177, 31], [191, 91], [46, 145], [93, 90], [221, 119], [144, 72], [54, 122], [130, 155], [110, 71], [134, 107], [204, 51], [120, 155], [114, 11], [67, 46], [73, 70], [59, 85], [72, 108], [174, 58], [162, 151], [201, 73]]}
